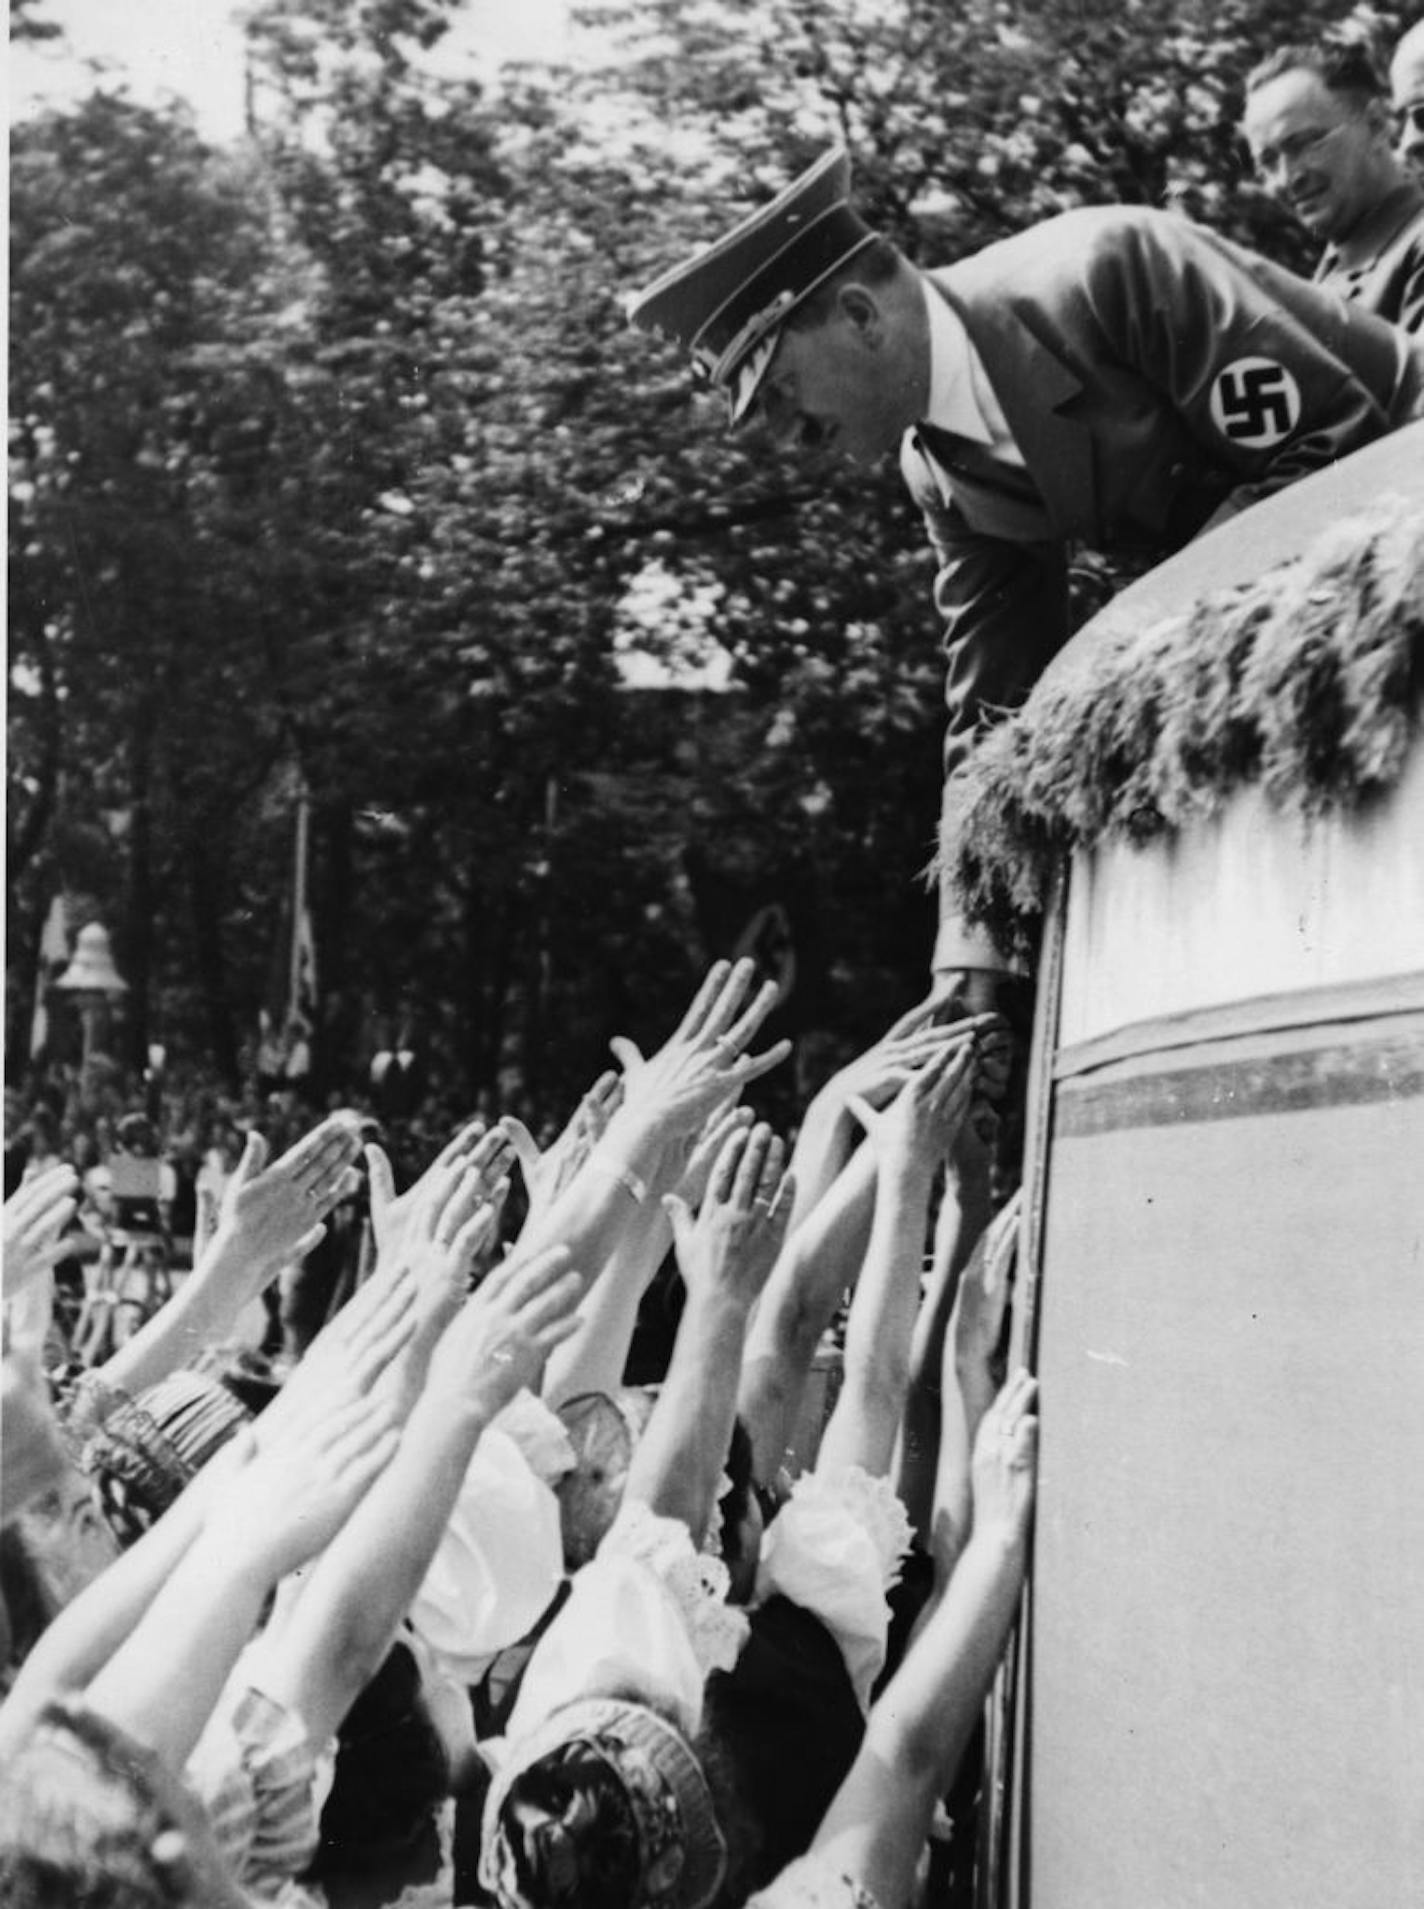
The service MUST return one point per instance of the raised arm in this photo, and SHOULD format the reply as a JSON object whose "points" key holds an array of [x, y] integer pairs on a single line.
{"points": [[478, 1158], [830, 1131], [279, 1511], [911, 1139], [667, 1099], [815, 1269], [725, 1255], [31, 1451], [344, 1363], [822, 1258], [547, 1174], [270, 1215], [35, 1216], [329, 1644], [968, 1384], [85, 1635], [966, 1209], [919, 1726], [593, 1359]]}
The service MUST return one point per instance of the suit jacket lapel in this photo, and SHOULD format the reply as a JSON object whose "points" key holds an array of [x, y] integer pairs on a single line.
{"points": [[1034, 386]]}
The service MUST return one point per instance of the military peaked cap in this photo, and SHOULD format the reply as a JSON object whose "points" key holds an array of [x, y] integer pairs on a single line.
{"points": [[728, 304]]}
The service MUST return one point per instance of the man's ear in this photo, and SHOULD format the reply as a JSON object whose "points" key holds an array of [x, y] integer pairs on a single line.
{"points": [[861, 310]]}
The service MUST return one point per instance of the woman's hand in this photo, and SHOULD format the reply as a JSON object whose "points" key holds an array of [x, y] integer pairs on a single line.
{"points": [[303, 1480], [693, 1169], [35, 1216], [443, 1246], [477, 1152], [547, 1174], [272, 1215], [498, 1343], [731, 1246], [875, 1077], [1005, 1463], [919, 1127], [351, 1356], [705, 1064]]}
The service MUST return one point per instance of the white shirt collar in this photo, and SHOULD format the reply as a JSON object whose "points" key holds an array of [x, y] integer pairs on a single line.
{"points": [[954, 400]]}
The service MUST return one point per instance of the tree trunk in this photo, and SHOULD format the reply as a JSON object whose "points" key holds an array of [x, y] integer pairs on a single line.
{"points": [[333, 880], [32, 826], [206, 898], [138, 924]]}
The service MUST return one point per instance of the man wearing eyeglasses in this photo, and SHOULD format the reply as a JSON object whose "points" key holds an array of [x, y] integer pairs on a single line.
{"points": [[1317, 121], [1406, 79]]}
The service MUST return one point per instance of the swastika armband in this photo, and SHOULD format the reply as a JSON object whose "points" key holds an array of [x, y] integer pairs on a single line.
{"points": [[1255, 402]]}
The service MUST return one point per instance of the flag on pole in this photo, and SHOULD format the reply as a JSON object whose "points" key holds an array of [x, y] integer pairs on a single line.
{"points": [[302, 993], [302, 979], [54, 959]]}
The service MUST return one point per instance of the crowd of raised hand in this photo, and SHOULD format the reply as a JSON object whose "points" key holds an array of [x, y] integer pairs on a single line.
{"points": [[451, 1615]]}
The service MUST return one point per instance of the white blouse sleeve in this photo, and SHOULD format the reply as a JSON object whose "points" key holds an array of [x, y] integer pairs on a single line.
{"points": [[647, 1619], [835, 1548], [539, 1434]]}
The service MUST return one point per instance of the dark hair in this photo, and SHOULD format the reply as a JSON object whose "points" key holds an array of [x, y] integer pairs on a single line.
{"points": [[607, 1852], [734, 1505], [1347, 68], [392, 1771], [740, 1826]]}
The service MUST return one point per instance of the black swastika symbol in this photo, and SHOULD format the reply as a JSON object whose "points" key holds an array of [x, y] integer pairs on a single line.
{"points": [[1256, 402]]}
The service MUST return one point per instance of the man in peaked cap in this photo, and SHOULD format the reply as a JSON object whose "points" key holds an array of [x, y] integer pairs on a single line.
{"points": [[1114, 376]]}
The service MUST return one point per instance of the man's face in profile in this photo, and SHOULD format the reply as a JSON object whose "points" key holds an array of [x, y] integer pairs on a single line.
{"points": [[1406, 78]]}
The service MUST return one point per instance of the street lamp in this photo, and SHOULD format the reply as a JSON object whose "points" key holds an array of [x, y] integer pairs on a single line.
{"points": [[92, 983]]}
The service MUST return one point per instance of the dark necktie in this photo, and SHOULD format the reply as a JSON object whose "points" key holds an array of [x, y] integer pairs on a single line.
{"points": [[995, 496]]}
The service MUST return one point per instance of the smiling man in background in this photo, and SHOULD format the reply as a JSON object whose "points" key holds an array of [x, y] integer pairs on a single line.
{"points": [[1318, 123], [1406, 82]]}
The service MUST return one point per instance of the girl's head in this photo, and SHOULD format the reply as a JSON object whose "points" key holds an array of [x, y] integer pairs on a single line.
{"points": [[150, 1448], [605, 1806], [603, 1429], [89, 1816], [66, 1537]]}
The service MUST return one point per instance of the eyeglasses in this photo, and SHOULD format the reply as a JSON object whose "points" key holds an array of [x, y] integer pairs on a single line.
{"points": [[1293, 149], [1409, 119]]}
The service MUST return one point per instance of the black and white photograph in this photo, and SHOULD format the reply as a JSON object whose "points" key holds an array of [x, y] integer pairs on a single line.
{"points": [[714, 955]]}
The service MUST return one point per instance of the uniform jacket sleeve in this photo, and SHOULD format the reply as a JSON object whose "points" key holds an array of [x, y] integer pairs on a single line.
{"points": [[1200, 319], [1005, 611]]}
